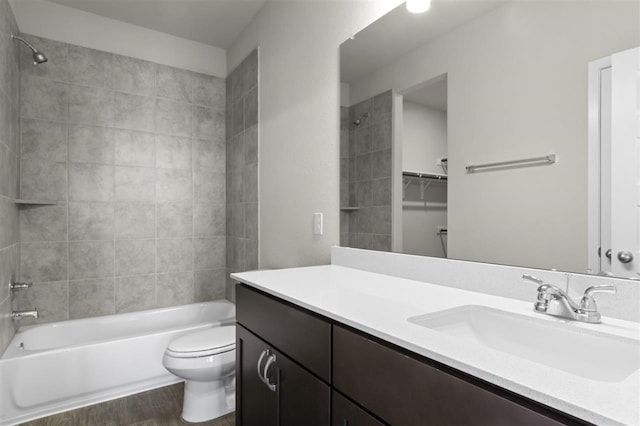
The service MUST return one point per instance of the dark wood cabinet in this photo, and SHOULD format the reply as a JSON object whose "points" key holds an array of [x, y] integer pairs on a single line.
{"points": [[283, 363], [274, 390], [346, 413], [295, 367], [402, 390]]}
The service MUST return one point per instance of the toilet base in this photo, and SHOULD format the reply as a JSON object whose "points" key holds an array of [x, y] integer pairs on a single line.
{"points": [[205, 401]]}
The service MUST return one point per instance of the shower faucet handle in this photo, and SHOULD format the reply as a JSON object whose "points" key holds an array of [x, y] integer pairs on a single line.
{"points": [[20, 286]]}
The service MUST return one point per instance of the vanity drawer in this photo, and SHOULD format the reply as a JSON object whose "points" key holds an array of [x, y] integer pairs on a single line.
{"points": [[303, 336], [402, 390]]}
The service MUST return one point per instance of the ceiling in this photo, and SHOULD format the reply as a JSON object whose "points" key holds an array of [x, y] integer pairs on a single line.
{"points": [[213, 22]]}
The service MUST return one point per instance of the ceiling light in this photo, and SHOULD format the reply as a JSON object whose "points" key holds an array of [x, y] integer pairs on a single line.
{"points": [[418, 6]]}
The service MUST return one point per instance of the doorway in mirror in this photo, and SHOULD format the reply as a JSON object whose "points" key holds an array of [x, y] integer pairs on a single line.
{"points": [[423, 139]]}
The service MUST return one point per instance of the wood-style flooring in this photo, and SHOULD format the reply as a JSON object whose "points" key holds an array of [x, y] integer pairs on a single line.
{"points": [[157, 407]]}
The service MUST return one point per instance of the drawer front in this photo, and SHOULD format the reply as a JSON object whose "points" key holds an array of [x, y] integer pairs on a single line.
{"points": [[404, 391], [300, 335], [346, 413], [296, 397]]}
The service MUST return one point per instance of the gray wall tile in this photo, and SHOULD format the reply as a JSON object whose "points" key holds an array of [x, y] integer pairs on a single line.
{"points": [[174, 83], [135, 293], [91, 105], [135, 184], [90, 144], [90, 67], [44, 140], [209, 220], [175, 220], [209, 284], [43, 261], [209, 90], [174, 255], [128, 142], [208, 122], [209, 186], [91, 259], [173, 118], [209, 154], [90, 298], [90, 182], [44, 99], [173, 152], [134, 76], [135, 220], [135, 257], [209, 253], [91, 221], [134, 148], [173, 186], [43, 223], [43, 180], [175, 289], [134, 112]]}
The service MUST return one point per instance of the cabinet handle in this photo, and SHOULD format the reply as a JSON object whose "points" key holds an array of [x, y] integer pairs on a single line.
{"points": [[262, 355], [269, 363]]}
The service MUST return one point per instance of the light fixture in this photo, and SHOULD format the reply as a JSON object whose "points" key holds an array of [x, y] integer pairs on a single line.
{"points": [[418, 6]]}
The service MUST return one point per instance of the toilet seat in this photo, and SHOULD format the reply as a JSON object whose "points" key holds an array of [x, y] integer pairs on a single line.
{"points": [[204, 343]]}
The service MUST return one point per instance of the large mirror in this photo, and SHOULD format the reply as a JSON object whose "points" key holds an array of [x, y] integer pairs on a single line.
{"points": [[425, 98]]}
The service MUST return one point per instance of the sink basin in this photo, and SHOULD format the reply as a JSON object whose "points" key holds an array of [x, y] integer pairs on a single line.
{"points": [[590, 354]]}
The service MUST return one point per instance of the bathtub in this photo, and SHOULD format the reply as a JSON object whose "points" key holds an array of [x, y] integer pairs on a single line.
{"points": [[59, 366]]}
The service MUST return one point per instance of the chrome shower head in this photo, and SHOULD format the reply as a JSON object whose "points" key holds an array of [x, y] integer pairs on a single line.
{"points": [[38, 57]]}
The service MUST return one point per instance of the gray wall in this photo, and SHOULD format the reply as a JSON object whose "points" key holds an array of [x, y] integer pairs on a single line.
{"points": [[133, 154], [242, 168], [9, 147], [367, 162]]}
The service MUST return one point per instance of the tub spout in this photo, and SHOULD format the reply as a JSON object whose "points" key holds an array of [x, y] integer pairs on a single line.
{"points": [[23, 314]]}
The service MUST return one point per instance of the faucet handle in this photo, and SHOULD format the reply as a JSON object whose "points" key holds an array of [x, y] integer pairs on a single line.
{"points": [[588, 304], [532, 278], [20, 286]]}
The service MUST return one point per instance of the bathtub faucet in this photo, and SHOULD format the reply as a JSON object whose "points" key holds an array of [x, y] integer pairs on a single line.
{"points": [[24, 314], [20, 286]]}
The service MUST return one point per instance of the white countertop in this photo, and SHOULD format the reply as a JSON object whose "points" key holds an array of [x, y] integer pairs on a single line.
{"points": [[380, 305]]}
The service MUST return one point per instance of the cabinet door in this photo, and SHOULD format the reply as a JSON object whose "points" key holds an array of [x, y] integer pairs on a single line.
{"points": [[296, 396], [346, 413], [256, 403]]}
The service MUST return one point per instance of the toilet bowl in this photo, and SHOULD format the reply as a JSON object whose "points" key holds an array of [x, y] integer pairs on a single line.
{"points": [[206, 360]]}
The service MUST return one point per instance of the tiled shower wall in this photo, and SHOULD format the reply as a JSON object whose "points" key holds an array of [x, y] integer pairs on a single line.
{"points": [[365, 167], [133, 155], [9, 147], [242, 168]]}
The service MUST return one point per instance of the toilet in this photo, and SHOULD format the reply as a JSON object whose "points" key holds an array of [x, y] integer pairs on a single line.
{"points": [[206, 360]]}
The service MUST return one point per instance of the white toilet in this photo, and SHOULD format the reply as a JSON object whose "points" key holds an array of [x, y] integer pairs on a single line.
{"points": [[206, 360]]}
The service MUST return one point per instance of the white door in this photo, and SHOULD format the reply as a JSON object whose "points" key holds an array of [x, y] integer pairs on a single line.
{"points": [[625, 164]]}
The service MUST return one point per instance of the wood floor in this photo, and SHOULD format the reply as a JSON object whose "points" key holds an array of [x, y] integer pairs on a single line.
{"points": [[158, 407]]}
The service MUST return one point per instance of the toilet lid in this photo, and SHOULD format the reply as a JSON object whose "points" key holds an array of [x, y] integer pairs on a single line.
{"points": [[203, 343]]}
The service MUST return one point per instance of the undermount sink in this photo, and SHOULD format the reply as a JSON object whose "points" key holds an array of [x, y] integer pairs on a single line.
{"points": [[589, 354]]}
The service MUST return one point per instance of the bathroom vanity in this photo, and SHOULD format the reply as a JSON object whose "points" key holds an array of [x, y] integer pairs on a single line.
{"points": [[342, 346]]}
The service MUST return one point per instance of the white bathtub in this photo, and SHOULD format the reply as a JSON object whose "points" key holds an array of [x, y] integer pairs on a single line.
{"points": [[60, 366]]}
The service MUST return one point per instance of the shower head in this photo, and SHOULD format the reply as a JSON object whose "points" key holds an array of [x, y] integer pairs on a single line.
{"points": [[38, 57]]}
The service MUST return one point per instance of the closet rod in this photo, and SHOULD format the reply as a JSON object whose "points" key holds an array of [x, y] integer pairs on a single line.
{"points": [[551, 158], [425, 175]]}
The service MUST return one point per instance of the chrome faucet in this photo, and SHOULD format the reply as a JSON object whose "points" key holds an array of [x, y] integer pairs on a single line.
{"points": [[553, 301], [25, 314], [19, 286]]}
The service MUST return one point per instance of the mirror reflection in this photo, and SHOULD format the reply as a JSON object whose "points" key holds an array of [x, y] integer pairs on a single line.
{"points": [[504, 84]]}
